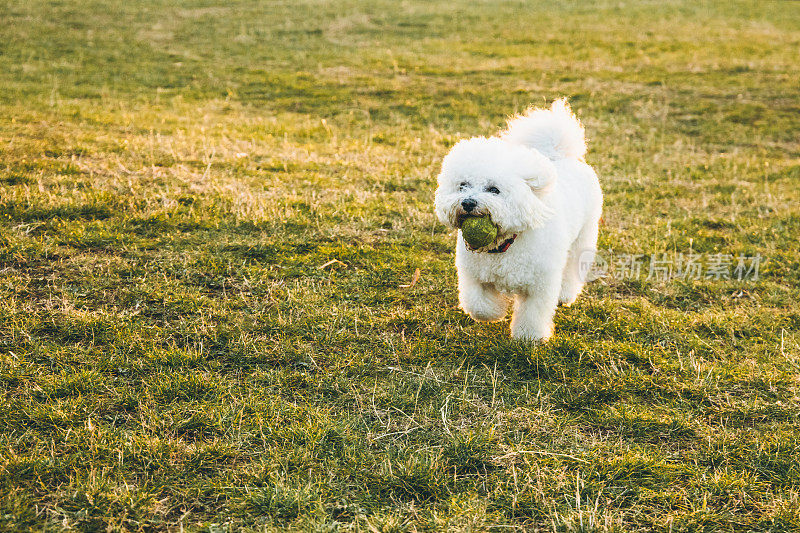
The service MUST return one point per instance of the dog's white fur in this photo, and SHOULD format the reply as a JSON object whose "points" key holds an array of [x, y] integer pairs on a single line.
{"points": [[546, 195]]}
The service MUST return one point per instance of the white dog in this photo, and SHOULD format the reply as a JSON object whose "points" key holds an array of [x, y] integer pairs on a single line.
{"points": [[546, 202]]}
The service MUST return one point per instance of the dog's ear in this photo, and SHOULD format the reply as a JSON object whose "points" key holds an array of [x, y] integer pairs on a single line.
{"points": [[540, 176], [539, 212]]}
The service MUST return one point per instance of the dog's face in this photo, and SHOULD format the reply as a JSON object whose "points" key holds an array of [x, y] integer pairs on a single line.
{"points": [[489, 176]]}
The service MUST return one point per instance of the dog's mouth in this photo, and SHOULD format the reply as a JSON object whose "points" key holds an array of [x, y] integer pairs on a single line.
{"points": [[461, 216], [501, 243]]}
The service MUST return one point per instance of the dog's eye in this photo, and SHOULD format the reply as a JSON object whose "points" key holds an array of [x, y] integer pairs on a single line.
{"points": [[493, 190], [463, 185]]}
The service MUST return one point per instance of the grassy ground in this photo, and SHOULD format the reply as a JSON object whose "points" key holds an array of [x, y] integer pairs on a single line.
{"points": [[208, 214]]}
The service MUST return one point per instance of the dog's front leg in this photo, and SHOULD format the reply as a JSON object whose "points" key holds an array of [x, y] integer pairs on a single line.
{"points": [[481, 301], [533, 313]]}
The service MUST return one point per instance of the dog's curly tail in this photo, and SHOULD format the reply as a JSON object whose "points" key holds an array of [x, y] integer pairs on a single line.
{"points": [[556, 132]]}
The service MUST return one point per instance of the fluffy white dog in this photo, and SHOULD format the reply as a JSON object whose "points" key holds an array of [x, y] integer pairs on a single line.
{"points": [[546, 202]]}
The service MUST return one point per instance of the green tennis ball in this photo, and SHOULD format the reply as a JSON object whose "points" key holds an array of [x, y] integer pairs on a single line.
{"points": [[479, 231]]}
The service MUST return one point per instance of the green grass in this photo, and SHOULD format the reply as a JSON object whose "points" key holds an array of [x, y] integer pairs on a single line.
{"points": [[180, 351]]}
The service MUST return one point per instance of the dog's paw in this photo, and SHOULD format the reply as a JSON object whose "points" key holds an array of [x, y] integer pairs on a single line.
{"points": [[486, 313], [484, 305], [532, 341], [537, 334], [566, 302], [569, 294]]}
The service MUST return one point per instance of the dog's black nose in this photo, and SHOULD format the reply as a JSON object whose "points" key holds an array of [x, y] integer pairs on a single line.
{"points": [[469, 204]]}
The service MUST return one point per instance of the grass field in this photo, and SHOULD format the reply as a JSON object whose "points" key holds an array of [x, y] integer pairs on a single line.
{"points": [[210, 216]]}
